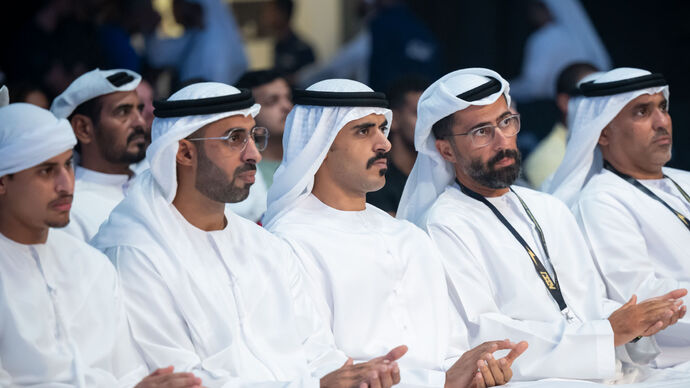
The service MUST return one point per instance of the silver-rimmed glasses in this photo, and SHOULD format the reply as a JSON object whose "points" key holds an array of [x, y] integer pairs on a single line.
{"points": [[482, 136], [238, 138]]}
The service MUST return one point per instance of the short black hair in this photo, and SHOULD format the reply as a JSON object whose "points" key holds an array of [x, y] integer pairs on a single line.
{"points": [[91, 109], [571, 75], [403, 85], [444, 127], [285, 6], [256, 78]]}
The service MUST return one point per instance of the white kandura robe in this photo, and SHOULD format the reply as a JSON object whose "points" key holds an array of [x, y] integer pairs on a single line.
{"points": [[62, 321], [497, 290], [227, 305], [640, 246], [380, 283], [95, 195]]}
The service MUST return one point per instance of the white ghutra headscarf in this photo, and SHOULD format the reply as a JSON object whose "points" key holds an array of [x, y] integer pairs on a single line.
{"points": [[309, 133], [431, 173], [591, 115]]}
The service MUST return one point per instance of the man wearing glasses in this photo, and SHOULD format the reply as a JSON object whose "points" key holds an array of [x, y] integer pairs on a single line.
{"points": [[205, 289], [515, 259]]}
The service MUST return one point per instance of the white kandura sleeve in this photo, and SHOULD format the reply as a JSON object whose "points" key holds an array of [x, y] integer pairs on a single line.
{"points": [[556, 349], [322, 355], [161, 332]]}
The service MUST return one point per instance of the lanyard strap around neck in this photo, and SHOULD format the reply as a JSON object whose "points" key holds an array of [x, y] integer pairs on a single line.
{"points": [[551, 284], [651, 194]]}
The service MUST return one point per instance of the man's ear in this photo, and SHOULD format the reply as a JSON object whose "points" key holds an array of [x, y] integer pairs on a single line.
{"points": [[604, 137], [83, 128], [446, 150], [186, 153]]}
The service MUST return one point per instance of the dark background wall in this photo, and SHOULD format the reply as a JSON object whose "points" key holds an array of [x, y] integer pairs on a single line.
{"points": [[649, 35]]}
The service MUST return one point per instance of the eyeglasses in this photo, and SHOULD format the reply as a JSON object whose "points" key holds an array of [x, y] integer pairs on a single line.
{"points": [[238, 138], [482, 136]]}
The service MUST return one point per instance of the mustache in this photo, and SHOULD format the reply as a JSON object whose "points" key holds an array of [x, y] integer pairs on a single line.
{"points": [[244, 168], [138, 131], [511, 153], [61, 199], [661, 132], [379, 155]]}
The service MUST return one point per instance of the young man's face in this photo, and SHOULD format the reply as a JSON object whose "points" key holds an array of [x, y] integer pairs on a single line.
{"points": [[358, 158], [121, 133], [41, 196], [224, 173], [495, 165], [276, 102], [639, 137]]}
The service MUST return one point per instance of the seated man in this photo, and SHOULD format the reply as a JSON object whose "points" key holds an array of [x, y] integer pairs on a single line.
{"points": [[515, 259], [208, 291], [105, 112], [633, 211], [378, 281], [62, 321]]}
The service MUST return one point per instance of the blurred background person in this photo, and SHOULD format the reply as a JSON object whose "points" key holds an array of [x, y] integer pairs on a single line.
{"points": [[564, 35], [545, 158], [403, 97]]}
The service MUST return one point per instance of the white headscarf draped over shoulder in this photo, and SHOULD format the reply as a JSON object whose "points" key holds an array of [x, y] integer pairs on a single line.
{"points": [[167, 132], [309, 133], [30, 135], [591, 115], [431, 173]]}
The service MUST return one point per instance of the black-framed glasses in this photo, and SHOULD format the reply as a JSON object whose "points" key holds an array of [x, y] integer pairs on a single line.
{"points": [[238, 138], [482, 136]]}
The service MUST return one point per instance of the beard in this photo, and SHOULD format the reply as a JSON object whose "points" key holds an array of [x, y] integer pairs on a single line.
{"points": [[121, 155], [493, 178], [212, 181], [380, 155]]}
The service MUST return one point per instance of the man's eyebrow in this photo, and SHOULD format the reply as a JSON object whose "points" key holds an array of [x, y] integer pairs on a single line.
{"points": [[641, 105], [124, 106], [364, 125], [486, 123], [384, 124], [46, 164], [233, 129]]}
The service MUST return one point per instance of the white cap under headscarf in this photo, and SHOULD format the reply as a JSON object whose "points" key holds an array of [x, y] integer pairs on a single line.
{"points": [[309, 133], [583, 158], [431, 173], [167, 132], [91, 85], [4, 96], [30, 135]]}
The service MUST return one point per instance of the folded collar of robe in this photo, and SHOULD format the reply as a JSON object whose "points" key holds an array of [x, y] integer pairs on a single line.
{"points": [[181, 115], [4, 96], [320, 112], [608, 94], [30, 135], [431, 174], [93, 84]]}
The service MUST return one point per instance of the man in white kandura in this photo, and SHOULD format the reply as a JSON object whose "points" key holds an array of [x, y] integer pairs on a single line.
{"points": [[206, 290], [378, 281], [517, 264], [62, 320], [633, 211], [105, 113]]}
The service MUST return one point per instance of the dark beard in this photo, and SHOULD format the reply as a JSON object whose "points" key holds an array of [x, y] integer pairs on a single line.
{"points": [[212, 181], [380, 155], [122, 156], [488, 176]]}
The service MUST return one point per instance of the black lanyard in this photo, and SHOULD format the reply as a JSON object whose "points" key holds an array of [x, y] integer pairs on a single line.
{"points": [[650, 193], [551, 284]]}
